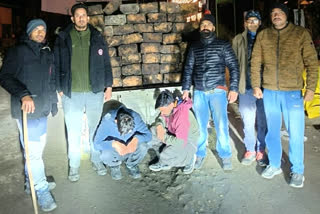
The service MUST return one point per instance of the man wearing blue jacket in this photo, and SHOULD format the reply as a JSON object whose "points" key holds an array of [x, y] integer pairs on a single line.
{"points": [[122, 136]]}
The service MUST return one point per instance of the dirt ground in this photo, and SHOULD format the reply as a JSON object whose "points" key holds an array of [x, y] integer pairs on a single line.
{"points": [[209, 190]]}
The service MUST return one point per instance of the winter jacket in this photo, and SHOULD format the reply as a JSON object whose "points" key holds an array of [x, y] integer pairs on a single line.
{"points": [[28, 69], [108, 129], [182, 126], [205, 65], [284, 54], [100, 73]]}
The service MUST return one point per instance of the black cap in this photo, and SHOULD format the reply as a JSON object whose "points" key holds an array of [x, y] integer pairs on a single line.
{"points": [[282, 7], [77, 6], [165, 98], [210, 18]]}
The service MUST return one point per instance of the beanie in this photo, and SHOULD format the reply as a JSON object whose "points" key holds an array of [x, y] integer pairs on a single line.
{"points": [[282, 7], [35, 23], [210, 18], [252, 13]]}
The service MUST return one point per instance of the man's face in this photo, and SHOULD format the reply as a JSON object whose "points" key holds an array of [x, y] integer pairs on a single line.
{"points": [[38, 34], [166, 110], [278, 18], [207, 26], [80, 19], [252, 24]]}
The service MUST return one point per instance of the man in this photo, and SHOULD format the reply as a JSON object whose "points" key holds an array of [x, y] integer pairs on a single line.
{"points": [[122, 136], [28, 75], [284, 50], [83, 73], [175, 127], [251, 108], [205, 66]]}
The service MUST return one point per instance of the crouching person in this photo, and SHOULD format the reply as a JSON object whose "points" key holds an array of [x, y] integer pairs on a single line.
{"points": [[28, 75], [177, 128], [122, 136]]}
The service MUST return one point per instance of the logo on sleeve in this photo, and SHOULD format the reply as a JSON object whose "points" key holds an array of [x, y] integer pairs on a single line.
{"points": [[100, 52]]}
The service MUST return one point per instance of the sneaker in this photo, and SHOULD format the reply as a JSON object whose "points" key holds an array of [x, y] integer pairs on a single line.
{"points": [[116, 173], [27, 190], [199, 162], [248, 158], [99, 168], [134, 172], [261, 159], [45, 200], [296, 180], [74, 174], [188, 169], [158, 167], [270, 172], [226, 164]]}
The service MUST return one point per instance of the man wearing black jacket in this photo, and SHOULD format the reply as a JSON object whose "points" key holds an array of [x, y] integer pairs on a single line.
{"points": [[84, 73], [28, 75], [205, 67]]}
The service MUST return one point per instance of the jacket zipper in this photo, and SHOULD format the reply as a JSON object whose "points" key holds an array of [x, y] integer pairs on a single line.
{"points": [[277, 69]]}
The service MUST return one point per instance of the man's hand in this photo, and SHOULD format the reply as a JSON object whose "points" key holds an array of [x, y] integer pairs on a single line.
{"points": [[257, 93], [119, 147], [185, 95], [60, 93], [27, 104], [107, 94], [232, 96], [132, 145], [308, 96], [160, 133]]}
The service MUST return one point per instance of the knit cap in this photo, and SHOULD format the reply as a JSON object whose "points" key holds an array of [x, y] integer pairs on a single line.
{"points": [[281, 6], [35, 23], [210, 18]]}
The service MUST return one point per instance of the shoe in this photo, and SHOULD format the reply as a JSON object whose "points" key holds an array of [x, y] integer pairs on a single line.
{"points": [[158, 167], [199, 162], [248, 158], [296, 180], [134, 172], [261, 159], [74, 174], [45, 200], [99, 168], [270, 172], [27, 190], [116, 173], [226, 164], [188, 169]]}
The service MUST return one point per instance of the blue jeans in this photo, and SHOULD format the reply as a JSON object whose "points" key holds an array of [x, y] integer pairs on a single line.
{"points": [[37, 134], [74, 108], [215, 102], [290, 104], [112, 158], [252, 112]]}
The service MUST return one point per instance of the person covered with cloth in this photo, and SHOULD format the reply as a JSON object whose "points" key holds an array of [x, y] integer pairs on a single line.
{"points": [[251, 108], [122, 136], [28, 75], [175, 127]]}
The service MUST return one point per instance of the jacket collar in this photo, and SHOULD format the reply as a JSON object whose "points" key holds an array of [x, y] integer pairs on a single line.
{"points": [[209, 40]]}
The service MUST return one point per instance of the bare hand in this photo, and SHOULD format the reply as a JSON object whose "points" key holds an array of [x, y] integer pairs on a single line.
{"points": [[308, 96], [232, 96], [60, 93], [160, 132], [119, 147], [257, 93], [132, 145], [107, 94], [27, 104], [185, 95]]}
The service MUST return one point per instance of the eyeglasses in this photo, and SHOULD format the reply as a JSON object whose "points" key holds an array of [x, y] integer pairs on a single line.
{"points": [[252, 21]]}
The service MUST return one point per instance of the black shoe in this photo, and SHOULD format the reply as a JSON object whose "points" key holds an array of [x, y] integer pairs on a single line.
{"points": [[116, 173], [134, 172], [188, 169]]}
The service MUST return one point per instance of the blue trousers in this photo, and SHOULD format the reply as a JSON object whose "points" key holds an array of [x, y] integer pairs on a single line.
{"points": [[214, 102], [74, 108], [253, 116], [37, 134], [289, 104]]}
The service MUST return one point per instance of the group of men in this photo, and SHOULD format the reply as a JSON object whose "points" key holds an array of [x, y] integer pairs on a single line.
{"points": [[265, 69]]}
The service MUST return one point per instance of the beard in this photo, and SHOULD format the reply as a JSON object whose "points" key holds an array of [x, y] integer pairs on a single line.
{"points": [[206, 34]]}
